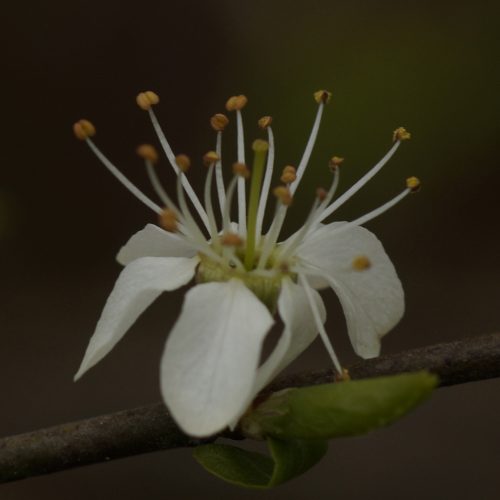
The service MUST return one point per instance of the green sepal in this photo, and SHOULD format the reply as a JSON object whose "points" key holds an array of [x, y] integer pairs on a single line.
{"points": [[340, 409], [249, 469]]}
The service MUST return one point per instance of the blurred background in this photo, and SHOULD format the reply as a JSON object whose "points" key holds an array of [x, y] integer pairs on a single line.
{"points": [[431, 66]]}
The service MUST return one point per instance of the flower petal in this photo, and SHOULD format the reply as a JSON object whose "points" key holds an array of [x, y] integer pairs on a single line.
{"points": [[139, 284], [300, 330], [211, 357], [372, 299], [152, 241]]}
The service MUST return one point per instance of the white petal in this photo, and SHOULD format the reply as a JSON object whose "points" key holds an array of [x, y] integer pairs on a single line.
{"points": [[211, 357], [300, 330], [139, 284], [372, 299], [152, 241]]}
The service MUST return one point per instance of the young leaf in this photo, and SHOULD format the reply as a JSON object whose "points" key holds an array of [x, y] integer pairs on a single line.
{"points": [[255, 470], [340, 409]]}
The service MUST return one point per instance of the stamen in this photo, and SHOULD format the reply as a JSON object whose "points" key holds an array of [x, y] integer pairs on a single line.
{"points": [[114, 170], [183, 164], [239, 169], [288, 175], [146, 100], [221, 193], [321, 97], [289, 247], [319, 324], [265, 122], [219, 123], [237, 103], [148, 153], [83, 129], [401, 134], [361, 263], [168, 220], [210, 158], [360, 183], [383, 208]]}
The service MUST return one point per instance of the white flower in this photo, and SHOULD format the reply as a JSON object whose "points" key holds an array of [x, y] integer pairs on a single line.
{"points": [[211, 367]]}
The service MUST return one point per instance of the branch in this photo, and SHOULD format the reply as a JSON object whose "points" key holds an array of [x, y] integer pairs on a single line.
{"points": [[150, 428]]}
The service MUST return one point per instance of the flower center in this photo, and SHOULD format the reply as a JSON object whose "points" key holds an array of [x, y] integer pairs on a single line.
{"points": [[266, 285]]}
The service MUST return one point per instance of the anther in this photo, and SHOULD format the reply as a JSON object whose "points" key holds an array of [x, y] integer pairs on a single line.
{"points": [[236, 102], [265, 122], [147, 99], [231, 240], [241, 169], [147, 152], [335, 162], [210, 158], [219, 122], [283, 194], [413, 183], [361, 263], [322, 96], [168, 220], [321, 194], [183, 162], [401, 134], [288, 175], [342, 377], [83, 129], [260, 146]]}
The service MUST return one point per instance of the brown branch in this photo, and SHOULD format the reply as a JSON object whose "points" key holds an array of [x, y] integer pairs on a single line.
{"points": [[147, 429]]}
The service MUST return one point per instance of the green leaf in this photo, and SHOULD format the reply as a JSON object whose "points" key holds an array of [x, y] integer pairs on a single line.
{"points": [[340, 409], [255, 470]]}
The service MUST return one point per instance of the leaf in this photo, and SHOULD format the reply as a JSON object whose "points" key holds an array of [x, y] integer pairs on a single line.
{"points": [[340, 409], [255, 470]]}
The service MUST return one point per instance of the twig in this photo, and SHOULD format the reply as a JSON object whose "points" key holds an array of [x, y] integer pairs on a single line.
{"points": [[150, 428]]}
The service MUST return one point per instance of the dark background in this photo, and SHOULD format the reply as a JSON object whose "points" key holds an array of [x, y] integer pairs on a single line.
{"points": [[430, 66]]}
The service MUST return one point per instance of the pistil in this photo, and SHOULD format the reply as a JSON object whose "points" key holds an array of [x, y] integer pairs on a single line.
{"points": [[260, 148]]}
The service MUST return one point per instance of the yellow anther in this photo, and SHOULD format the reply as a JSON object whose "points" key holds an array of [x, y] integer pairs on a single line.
{"points": [[361, 263], [183, 162], [231, 240], [147, 99], [168, 220], [335, 162], [147, 152], [236, 102], [210, 158], [343, 377], [401, 134], [260, 146], [321, 194], [83, 129], [241, 169], [322, 96], [413, 183], [288, 175], [283, 194], [219, 122], [265, 122]]}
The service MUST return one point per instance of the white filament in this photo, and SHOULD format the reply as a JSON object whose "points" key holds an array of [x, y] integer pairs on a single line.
{"points": [[114, 170], [264, 193], [307, 152], [242, 210], [319, 324], [360, 183], [219, 179], [171, 158]]}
